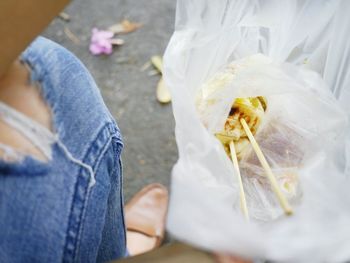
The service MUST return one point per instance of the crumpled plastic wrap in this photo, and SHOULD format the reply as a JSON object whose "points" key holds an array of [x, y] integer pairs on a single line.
{"points": [[300, 113], [224, 50]]}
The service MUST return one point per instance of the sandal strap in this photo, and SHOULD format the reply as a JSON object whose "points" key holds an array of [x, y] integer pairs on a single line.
{"points": [[143, 231]]}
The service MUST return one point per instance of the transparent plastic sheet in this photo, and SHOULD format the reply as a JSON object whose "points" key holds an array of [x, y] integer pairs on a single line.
{"points": [[297, 39]]}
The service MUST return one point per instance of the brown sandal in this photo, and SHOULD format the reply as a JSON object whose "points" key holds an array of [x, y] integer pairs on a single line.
{"points": [[145, 217]]}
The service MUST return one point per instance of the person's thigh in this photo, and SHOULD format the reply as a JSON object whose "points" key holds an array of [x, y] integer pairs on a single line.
{"points": [[60, 178]]}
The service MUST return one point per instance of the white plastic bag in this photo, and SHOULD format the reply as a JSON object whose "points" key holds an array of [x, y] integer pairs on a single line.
{"points": [[298, 39]]}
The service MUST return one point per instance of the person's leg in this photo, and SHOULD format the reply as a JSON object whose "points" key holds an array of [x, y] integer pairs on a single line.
{"points": [[17, 92], [60, 168], [60, 171]]}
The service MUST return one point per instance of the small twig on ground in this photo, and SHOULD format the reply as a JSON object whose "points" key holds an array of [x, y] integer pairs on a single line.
{"points": [[64, 16], [71, 36]]}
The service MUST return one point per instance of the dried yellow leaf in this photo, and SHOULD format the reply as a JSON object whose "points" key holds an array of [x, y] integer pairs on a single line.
{"points": [[157, 62], [163, 94], [124, 27]]}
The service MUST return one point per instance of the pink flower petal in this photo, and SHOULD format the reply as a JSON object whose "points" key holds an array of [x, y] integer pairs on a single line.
{"points": [[101, 42], [95, 50], [108, 50]]}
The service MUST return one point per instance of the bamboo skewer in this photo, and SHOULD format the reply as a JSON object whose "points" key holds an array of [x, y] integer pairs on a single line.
{"points": [[275, 187], [241, 189]]}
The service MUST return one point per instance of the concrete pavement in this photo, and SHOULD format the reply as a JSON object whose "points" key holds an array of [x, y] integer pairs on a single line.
{"points": [[147, 126]]}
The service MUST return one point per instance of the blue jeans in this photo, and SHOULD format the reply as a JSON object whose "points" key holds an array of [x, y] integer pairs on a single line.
{"points": [[70, 208]]}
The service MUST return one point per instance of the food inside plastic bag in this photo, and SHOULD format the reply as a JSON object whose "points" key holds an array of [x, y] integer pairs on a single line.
{"points": [[252, 110], [264, 60], [281, 131]]}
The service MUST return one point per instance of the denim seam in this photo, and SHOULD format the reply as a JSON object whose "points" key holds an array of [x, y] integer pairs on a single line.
{"points": [[69, 254], [120, 166], [122, 197], [98, 245], [78, 218], [95, 167]]}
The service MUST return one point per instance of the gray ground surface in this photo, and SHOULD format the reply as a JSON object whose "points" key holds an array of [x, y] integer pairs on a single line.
{"points": [[147, 127]]}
